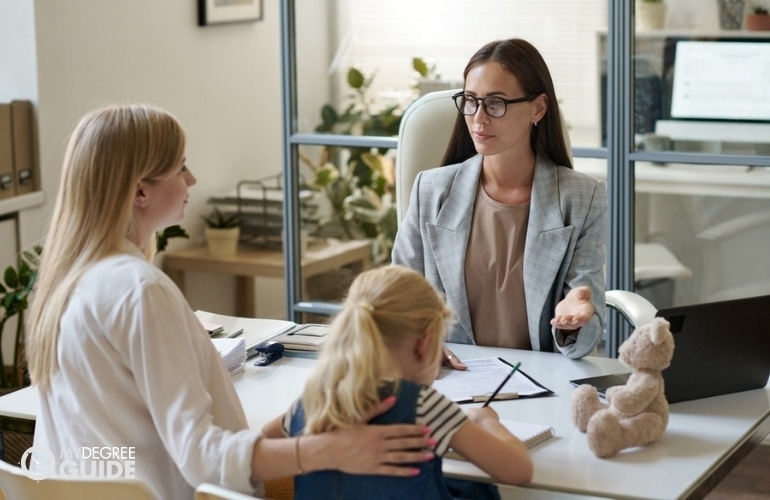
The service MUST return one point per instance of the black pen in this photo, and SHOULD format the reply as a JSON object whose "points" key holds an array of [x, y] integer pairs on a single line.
{"points": [[505, 380]]}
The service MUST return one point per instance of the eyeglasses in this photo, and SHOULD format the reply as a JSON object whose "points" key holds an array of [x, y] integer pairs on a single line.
{"points": [[494, 107]]}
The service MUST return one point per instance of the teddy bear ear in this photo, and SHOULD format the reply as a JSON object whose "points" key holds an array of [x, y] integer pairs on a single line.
{"points": [[659, 332]]}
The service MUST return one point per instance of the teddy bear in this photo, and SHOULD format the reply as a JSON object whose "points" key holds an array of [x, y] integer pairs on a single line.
{"points": [[637, 412]]}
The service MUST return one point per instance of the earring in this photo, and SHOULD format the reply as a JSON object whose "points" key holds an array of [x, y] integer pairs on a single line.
{"points": [[534, 123]]}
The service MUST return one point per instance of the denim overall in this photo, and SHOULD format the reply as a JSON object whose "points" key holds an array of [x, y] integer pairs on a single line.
{"points": [[429, 484]]}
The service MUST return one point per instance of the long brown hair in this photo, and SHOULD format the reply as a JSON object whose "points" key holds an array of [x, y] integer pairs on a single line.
{"points": [[525, 63]]}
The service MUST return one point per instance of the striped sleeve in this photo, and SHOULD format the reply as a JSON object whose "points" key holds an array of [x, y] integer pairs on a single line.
{"points": [[286, 422], [441, 415]]}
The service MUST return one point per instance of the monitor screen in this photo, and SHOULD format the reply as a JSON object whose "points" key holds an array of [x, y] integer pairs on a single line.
{"points": [[721, 80]]}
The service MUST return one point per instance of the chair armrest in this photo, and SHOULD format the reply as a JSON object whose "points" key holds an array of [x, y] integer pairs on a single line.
{"points": [[633, 307]]}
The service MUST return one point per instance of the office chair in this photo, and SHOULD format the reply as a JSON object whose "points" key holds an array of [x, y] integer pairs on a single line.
{"points": [[735, 258], [16, 485], [208, 491], [422, 138]]}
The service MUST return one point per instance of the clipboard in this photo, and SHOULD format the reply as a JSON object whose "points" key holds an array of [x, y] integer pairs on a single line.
{"points": [[480, 380]]}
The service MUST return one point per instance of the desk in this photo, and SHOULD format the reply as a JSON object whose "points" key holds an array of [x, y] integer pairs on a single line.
{"points": [[685, 179], [703, 441], [250, 263]]}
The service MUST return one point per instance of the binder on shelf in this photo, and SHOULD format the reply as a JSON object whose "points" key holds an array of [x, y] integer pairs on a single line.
{"points": [[26, 172], [7, 177]]}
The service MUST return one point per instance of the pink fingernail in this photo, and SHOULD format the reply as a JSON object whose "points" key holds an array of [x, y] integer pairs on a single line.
{"points": [[432, 442], [426, 430], [389, 399], [415, 471]]}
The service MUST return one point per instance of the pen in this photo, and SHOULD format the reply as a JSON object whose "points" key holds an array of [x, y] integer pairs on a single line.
{"points": [[500, 397], [235, 333], [505, 380]]}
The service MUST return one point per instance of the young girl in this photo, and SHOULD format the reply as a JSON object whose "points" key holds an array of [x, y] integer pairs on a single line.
{"points": [[387, 342]]}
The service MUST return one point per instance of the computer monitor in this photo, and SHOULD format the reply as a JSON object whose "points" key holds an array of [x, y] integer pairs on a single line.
{"points": [[721, 80], [716, 91]]}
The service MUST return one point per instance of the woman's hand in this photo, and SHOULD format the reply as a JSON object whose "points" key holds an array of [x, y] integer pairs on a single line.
{"points": [[575, 310], [380, 449], [449, 359]]}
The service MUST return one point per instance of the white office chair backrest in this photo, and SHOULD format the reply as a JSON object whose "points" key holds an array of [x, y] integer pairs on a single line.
{"points": [[16, 485], [422, 139], [207, 491]]}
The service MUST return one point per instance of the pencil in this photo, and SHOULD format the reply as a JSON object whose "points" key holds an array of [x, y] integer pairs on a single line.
{"points": [[505, 380]]}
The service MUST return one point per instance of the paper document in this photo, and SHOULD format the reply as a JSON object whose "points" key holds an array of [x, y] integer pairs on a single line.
{"points": [[233, 353], [482, 377]]}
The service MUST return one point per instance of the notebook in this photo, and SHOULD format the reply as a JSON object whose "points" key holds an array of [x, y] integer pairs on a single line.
{"points": [[306, 337], [529, 434], [720, 348]]}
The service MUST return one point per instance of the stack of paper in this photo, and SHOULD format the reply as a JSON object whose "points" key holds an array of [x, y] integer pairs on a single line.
{"points": [[233, 353]]}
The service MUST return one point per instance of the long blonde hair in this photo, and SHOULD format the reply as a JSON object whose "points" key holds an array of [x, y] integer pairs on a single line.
{"points": [[384, 307], [109, 152]]}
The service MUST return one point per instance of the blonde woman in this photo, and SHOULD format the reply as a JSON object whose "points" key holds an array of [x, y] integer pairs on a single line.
{"points": [[119, 359], [387, 342]]}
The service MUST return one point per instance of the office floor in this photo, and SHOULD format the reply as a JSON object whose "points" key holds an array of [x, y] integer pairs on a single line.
{"points": [[749, 480]]}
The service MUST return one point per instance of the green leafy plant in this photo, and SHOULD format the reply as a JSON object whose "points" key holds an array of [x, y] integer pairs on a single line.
{"points": [[162, 237], [18, 283], [358, 182], [220, 220], [424, 69]]}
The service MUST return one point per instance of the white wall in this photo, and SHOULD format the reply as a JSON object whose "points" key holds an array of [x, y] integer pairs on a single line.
{"points": [[221, 81]]}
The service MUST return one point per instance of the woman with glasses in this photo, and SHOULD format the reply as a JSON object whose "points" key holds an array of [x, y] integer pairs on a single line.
{"points": [[507, 230]]}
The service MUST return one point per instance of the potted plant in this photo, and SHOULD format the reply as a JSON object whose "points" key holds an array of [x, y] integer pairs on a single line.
{"points": [[650, 14], [18, 282], [758, 19], [222, 232], [358, 182]]}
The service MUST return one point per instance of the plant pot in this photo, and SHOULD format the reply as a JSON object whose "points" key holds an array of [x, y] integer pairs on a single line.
{"points": [[222, 241], [758, 22], [650, 15]]}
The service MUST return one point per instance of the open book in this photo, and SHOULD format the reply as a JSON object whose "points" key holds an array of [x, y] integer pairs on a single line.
{"points": [[528, 433]]}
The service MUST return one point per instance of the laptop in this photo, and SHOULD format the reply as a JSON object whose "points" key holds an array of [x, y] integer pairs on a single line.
{"points": [[720, 348]]}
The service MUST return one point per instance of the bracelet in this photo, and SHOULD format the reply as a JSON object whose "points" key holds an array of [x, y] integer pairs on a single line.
{"points": [[300, 470]]}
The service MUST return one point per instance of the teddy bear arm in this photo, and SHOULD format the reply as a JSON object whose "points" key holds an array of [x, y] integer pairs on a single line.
{"points": [[636, 395]]}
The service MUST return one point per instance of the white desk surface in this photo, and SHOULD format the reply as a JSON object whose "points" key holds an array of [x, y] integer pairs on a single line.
{"points": [[685, 179], [701, 436]]}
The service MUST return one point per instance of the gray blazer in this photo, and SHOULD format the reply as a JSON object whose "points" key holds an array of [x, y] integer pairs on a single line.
{"points": [[565, 246]]}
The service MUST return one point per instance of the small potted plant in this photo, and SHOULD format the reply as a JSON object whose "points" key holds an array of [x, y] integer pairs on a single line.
{"points": [[222, 232], [758, 19]]}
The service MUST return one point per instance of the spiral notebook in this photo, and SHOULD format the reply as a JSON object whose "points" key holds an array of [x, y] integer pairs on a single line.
{"points": [[529, 434]]}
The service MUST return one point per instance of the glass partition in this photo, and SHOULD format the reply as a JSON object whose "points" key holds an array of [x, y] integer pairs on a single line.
{"points": [[701, 139]]}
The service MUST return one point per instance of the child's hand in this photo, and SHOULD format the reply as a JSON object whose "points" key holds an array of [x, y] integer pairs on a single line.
{"points": [[480, 415]]}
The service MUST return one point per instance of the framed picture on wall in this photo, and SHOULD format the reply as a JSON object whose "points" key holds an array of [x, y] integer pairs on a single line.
{"points": [[228, 11]]}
